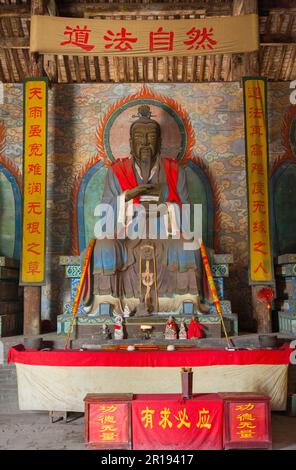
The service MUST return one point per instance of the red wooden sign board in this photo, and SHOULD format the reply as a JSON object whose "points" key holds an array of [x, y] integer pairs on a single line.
{"points": [[108, 421], [247, 421]]}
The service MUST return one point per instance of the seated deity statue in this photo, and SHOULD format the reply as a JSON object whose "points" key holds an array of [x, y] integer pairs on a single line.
{"points": [[147, 270]]}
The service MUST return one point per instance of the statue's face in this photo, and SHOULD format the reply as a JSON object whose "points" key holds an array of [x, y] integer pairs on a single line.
{"points": [[145, 142]]}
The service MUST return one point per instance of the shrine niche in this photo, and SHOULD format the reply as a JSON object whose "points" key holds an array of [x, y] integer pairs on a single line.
{"points": [[283, 181], [283, 222], [113, 144]]}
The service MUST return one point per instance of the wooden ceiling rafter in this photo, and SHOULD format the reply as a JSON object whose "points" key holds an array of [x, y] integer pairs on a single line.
{"points": [[276, 55]]}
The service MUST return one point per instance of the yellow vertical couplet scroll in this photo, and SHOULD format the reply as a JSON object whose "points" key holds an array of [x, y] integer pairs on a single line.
{"points": [[255, 104], [34, 182]]}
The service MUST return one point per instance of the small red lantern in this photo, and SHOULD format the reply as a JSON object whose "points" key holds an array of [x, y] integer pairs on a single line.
{"points": [[266, 296]]}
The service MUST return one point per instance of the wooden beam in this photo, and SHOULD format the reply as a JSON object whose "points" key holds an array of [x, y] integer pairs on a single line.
{"points": [[278, 44], [87, 69], [135, 69], [279, 68], [116, 69], [175, 69], [155, 69], [107, 69], [194, 69], [36, 64], [2, 76], [77, 69], [52, 8], [97, 69], [184, 69], [14, 42], [8, 62], [67, 68], [277, 38], [211, 69], [14, 11], [165, 69], [145, 69], [16, 59], [129, 9], [227, 77], [202, 68], [291, 65], [218, 67], [51, 67], [248, 63]]}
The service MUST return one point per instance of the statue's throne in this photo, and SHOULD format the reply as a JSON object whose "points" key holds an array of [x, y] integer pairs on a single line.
{"points": [[87, 193]]}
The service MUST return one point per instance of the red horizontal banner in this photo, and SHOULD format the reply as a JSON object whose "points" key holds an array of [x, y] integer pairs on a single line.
{"points": [[168, 422], [195, 358]]}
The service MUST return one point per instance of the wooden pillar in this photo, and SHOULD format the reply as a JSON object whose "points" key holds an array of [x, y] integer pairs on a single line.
{"points": [[246, 64], [32, 295]]}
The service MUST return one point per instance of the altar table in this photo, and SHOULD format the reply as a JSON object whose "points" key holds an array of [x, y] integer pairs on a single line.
{"points": [[58, 380]]}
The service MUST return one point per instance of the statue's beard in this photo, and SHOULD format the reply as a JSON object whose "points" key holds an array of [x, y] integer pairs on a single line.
{"points": [[146, 162]]}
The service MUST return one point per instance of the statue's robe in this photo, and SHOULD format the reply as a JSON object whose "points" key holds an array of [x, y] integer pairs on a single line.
{"points": [[114, 269]]}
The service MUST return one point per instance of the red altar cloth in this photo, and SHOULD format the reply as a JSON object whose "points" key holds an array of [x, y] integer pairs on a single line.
{"points": [[171, 422], [190, 358]]}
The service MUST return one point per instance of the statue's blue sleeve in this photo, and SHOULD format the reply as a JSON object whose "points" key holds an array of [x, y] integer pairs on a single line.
{"points": [[182, 186], [112, 189]]}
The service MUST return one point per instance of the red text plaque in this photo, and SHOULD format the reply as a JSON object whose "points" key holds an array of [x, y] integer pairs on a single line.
{"points": [[107, 421], [247, 421]]}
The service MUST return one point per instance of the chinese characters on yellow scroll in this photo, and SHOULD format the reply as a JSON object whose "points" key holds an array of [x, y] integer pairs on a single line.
{"points": [[34, 182], [261, 270]]}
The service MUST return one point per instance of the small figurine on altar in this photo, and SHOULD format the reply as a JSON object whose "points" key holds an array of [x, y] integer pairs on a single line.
{"points": [[118, 327], [170, 329], [183, 330], [126, 312], [195, 330], [106, 331]]}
